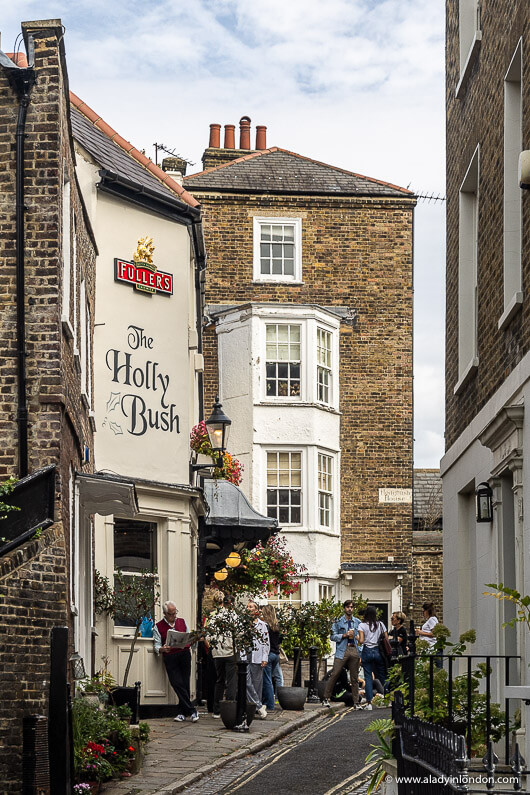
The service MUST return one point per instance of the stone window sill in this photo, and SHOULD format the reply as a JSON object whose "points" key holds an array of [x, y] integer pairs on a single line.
{"points": [[511, 310], [468, 373], [470, 60]]}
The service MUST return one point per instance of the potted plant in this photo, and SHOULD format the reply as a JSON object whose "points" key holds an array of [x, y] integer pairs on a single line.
{"points": [[303, 627], [134, 597], [236, 625]]}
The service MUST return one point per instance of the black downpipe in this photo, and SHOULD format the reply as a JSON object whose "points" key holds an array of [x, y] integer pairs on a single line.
{"points": [[22, 80], [22, 408]]}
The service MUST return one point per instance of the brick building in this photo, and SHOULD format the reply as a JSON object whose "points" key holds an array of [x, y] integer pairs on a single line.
{"points": [[427, 543], [488, 316], [48, 256], [308, 297]]}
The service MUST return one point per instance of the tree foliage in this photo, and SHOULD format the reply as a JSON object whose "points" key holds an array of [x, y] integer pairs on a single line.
{"points": [[131, 596], [233, 626]]}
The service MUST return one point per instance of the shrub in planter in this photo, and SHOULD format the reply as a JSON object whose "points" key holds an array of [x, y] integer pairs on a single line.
{"points": [[133, 596]]}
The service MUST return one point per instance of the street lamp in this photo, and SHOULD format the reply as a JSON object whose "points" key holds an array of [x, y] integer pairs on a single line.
{"points": [[218, 427], [483, 495], [78, 666]]}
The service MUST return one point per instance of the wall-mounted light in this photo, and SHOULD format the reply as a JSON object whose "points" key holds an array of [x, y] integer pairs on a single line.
{"points": [[233, 560], [221, 575], [484, 503], [78, 666], [218, 427]]}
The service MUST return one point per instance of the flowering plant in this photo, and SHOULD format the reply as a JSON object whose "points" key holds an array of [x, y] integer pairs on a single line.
{"points": [[232, 468], [267, 568]]}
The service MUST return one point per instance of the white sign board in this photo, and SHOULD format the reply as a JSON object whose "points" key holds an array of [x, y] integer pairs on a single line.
{"points": [[395, 495]]}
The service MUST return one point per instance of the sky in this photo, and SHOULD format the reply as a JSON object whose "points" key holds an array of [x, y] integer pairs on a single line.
{"points": [[355, 83]]}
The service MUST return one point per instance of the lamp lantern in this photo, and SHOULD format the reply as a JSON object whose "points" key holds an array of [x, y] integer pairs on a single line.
{"points": [[218, 427], [484, 503], [78, 666], [221, 575], [233, 560]]}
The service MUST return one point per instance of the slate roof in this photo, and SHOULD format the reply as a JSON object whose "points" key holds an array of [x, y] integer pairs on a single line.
{"points": [[277, 170], [117, 155], [428, 498]]}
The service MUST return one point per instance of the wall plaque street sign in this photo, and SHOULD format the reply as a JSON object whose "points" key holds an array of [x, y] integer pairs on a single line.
{"points": [[143, 276], [395, 495]]}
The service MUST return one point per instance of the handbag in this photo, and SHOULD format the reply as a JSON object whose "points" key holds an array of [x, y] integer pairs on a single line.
{"points": [[385, 649]]}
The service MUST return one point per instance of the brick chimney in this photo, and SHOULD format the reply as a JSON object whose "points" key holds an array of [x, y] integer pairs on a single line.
{"points": [[175, 167], [214, 155]]}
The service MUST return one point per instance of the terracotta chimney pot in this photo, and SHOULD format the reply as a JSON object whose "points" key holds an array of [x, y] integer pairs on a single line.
{"points": [[230, 141], [215, 136], [261, 137], [244, 132]]}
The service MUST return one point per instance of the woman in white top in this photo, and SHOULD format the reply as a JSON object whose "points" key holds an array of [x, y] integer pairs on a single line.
{"points": [[426, 632], [370, 630]]}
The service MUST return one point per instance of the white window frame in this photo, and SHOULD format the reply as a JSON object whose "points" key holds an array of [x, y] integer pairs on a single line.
{"points": [[468, 272], [320, 329], [289, 451], [83, 341], [327, 493], [325, 590], [127, 631], [296, 223], [513, 144], [283, 601], [291, 324]]}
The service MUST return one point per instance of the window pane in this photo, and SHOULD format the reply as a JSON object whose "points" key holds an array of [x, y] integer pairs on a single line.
{"points": [[283, 515], [295, 333], [265, 266], [296, 460], [288, 267], [295, 515], [283, 333], [288, 250], [277, 266], [295, 352], [295, 497], [277, 250], [277, 233], [134, 545], [288, 232], [283, 370], [283, 351], [271, 332], [265, 232], [283, 497]]}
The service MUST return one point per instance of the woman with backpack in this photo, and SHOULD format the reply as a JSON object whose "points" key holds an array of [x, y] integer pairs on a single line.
{"points": [[370, 631]]}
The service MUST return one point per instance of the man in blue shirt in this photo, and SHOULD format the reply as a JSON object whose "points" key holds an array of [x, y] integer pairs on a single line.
{"points": [[344, 634]]}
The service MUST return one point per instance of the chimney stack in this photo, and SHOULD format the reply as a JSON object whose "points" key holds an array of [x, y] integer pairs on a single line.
{"points": [[244, 132], [230, 137], [261, 137], [215, 136]]}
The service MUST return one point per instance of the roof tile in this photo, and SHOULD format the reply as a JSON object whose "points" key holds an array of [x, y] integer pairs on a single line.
{"points": [[278, 170]]}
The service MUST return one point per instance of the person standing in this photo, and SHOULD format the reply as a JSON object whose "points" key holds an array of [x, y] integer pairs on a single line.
{"points": [[426, 632], [176, 661], [370, 630], [398, 633], [268, 614], [257, 661], [224, 658], [344, 634]]}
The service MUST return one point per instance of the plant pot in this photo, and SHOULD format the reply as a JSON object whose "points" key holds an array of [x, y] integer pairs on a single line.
{"points": [[292, 697], [95, 786], [228, 710], [129, 696]]}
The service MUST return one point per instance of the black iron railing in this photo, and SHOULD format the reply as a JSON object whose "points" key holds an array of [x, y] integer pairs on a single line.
{"points": [[497, 668]]}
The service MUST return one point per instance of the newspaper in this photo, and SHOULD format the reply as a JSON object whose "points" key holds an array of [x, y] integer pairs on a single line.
{"points": [[177, 640]]}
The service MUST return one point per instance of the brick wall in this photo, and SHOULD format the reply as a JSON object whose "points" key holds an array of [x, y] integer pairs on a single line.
{"points": [[427, 574], [476, 117], [34, 579], [356, 253]]}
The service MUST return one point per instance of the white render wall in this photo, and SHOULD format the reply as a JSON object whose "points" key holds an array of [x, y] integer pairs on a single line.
{"points": [[479, 553], [260, 424]]}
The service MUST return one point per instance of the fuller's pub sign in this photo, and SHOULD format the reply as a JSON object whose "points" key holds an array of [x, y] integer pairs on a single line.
{"points": [[142, 273]]}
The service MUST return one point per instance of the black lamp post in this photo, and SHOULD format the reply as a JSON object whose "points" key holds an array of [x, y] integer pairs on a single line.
{"points": [[218, 427], [484, 504]]}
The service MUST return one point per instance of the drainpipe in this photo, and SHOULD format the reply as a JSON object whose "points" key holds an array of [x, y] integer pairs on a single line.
{"points": [[22, 81]]}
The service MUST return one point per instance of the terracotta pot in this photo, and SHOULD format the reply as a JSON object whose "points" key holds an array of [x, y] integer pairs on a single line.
{"points": [[292, 697]]}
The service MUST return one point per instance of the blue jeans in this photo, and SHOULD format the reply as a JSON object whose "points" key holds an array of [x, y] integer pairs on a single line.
{"points": [[268, 690], [372, 664]]}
